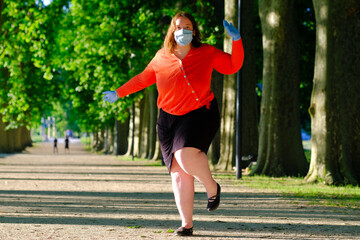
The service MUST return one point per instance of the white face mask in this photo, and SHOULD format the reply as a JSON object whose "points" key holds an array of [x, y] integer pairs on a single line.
{"points": [[183, 37]]}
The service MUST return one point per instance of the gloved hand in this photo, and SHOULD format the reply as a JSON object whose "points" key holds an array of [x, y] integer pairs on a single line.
{"points": [[233, 32], [110, 96]]}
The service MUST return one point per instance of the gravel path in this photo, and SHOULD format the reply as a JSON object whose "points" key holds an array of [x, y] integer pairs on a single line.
{"points": [[88, 196]]}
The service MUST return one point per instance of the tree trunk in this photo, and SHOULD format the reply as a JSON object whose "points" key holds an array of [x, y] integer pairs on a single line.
{"points": [[250, 117], [106, 139], [335, 101], [3, 137], [280, 148], [147, 124], [95, 140], [25, 137], [10, 140], [17, 140], [98, 143], [152, 137], [122, 136], [111, 139], [101, 140], [144, 125], [137, 128], [228, 113], [217, 81], [131, 134], [157, 153], [134, 133], [214, 153]]}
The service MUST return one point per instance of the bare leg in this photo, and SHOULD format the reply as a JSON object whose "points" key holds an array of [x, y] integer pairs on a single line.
{"points": [[195, 163], [183, 187]]}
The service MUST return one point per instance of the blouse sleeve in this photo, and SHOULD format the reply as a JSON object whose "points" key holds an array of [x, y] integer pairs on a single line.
{"points": [[228, 64], [139, 82]]}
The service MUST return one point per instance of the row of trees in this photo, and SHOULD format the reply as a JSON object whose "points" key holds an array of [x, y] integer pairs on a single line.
{"points": [[334, 100], [69, 52]]}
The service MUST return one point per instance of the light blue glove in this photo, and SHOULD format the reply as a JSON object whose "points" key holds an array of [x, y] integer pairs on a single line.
{"points": [[233, 32], [110, 96]]}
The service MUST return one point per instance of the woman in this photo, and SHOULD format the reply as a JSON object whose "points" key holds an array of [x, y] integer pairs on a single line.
{"points": [[189, 115]]}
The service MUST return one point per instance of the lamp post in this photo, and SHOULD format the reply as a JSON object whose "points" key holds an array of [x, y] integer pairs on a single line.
{"points": [[238, 156]]}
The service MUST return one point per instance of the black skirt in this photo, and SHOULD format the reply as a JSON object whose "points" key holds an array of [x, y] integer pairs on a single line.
{"points": [[195, 129]]}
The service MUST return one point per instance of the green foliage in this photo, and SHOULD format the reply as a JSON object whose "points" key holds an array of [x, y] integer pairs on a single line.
{"points": [[67, 53], [27, 83], [64, 55], [103, 44]]}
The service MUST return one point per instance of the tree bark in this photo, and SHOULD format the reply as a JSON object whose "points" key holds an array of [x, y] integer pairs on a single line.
{"points": [[228, 113], [17, 140], [153, 111], [157, 153], [217, 81], [98, 141], [106, 139], [214, 153], [280, 147], [134, 135], [3, 137], [122, 136], [131, 138], [10, 140], [144, 125], [25, 137], [137, 128], [111, 139], [335, 101], [250, 117]]}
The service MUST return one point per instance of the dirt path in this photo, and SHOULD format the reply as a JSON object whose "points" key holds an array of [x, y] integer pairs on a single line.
{"points": [[88, 196]]}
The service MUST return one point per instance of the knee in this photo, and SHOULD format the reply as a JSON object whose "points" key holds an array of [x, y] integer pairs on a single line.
{"points": [[175, 170], [178, 174]]}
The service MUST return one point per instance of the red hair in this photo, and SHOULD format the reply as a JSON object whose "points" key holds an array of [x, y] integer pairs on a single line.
{"points": [[169, 42]]}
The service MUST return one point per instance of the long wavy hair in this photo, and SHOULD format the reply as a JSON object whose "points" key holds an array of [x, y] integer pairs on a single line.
{"points": [[170, 43]]}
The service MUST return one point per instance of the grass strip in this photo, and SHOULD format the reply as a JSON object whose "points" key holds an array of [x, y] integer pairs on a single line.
{"points": [[314, 193]]}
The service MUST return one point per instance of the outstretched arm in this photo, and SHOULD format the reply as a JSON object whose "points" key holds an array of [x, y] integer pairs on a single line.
{"points": [[226, 63], [137, 83]]}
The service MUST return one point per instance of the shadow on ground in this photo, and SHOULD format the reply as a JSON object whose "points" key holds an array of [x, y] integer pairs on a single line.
{"points": [[96, 192]]}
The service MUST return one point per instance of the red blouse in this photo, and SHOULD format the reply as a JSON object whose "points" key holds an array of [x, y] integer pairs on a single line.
{"points": [[184, 85]]}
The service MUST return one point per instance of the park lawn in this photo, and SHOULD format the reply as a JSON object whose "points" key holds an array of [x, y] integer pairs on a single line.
{"points": [[314, 193], [36, 138]]}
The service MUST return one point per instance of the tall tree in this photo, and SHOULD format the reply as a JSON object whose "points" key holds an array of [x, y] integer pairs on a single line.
{"points": [[335, 98], [228, 112], [25, 73], [217, 79], [280, 147], [250, 117]]}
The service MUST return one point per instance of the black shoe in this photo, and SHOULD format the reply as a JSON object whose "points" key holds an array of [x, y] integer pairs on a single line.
{"points": [[181, 231], [214, 201]]}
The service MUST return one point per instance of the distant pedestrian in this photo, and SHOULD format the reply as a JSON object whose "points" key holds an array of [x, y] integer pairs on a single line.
{"points": [[55, 146], [67, 145]]}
